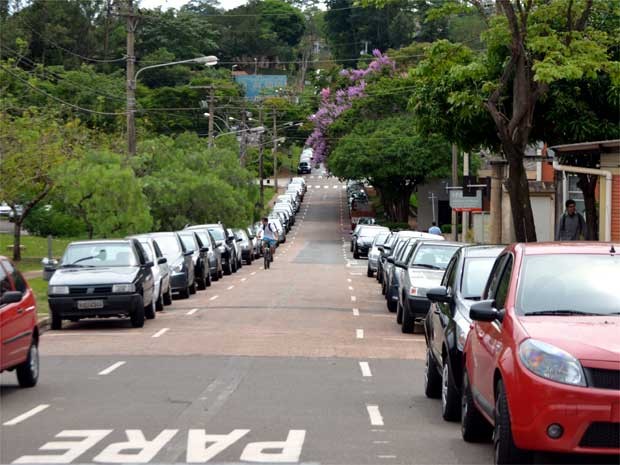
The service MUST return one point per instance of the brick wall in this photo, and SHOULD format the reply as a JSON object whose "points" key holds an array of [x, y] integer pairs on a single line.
{"points": [[615, 208]]}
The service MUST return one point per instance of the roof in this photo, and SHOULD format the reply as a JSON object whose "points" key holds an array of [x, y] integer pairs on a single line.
{"points": [[435, 242], [603, 146], [479, 251], [102, 241], [548, 248]]}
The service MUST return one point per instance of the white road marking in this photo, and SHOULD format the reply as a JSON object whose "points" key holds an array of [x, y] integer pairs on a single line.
{"points": [[348, 279], [375, 415], [192, 311], [359, 333], [350, 288], [214, 297], [383, 316], [386, 456], [111, 368], [25, 416], [325, 187], [365, 369], [407, 339], [355, 274], [380, 442], [356, 312], [253, 273], [230, 287], [243, 279], [353, 298], [161, 332]]}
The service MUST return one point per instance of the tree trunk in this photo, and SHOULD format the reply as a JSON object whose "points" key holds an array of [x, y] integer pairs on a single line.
{"points": [[17, 237], [519, 192], [587, 184]]}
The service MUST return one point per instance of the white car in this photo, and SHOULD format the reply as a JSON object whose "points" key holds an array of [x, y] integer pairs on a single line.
{"points": [[161, 271]]}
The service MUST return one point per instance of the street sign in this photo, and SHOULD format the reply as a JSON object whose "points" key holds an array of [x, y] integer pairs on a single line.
{"points": [[460, 203]]}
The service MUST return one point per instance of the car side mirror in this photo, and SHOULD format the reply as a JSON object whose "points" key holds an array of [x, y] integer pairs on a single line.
{"points": [[231, 238], [439, 294], [162, 260], [400, 265], [204, 249], [390, 259], [11, 297], [239, 239], [219, 243], [149, 264], [380, 249], [188, 253], [485, 311]]}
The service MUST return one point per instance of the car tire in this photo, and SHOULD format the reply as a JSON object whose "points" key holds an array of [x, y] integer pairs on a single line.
{"points": [[202, 282], [408, 322], [356, 254], [432, 380], [450, 399], [351, 246], [228, 268], [185, 293], [28, 371], [369, 272], [474, 427], [137, 315], [391, 305], [193, 287], [149, 310], [55, 321], [506, 451], [168, 296], [208, 279], [159, 303], [383, 287], [399, 313]]}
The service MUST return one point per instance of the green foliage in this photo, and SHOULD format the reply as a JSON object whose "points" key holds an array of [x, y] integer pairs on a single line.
{"points": [[49, 220]]}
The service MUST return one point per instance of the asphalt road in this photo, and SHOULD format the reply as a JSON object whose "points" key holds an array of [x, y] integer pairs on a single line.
{"points": [[299, 363]]}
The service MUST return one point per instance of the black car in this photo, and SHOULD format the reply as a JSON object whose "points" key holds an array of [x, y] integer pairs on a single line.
{"points": [[362, 241], [214, 254], [304, 168], [199, 256], [101, 279], [447, 324], [183, 277], [226, 244]]}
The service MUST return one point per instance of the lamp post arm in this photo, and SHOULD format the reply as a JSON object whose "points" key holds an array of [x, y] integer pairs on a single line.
{"points": [[161, 65]]}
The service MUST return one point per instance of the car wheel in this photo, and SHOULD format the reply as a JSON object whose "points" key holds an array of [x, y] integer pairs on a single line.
{"points": [[383, 287], [432, 380], [168, 296], [351, 246], [408, 322], [450, 406], [399, 313], [184, 293], [159, 304], [56, 321], [192, 287], [202, 281], [149, 310], [369, 272], [28, 371], [474, 427], [208, 279], [391, 305], [356, 254], [506, 452], [137, 315], [228, 268]]}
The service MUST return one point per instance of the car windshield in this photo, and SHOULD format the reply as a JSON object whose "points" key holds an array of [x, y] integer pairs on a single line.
{"points": [[475, 274], [188, 241], [169, 246], [433, 256], [370, 233], [380, 239], [571, 283], [218, 234], [98, 255]]}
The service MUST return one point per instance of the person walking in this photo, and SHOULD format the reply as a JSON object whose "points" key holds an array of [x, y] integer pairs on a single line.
{"points": [[434, 229], [572, 225]]}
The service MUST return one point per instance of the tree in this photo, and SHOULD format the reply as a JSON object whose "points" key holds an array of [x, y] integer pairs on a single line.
{"points": [[32, 147]]}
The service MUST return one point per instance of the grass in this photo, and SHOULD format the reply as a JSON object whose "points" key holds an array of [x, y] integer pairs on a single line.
{"points": [[34, 248], [39, 287]]}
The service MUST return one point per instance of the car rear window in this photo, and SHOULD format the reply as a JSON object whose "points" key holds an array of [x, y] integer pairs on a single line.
{"points": [[169, 245], [433, 256], [147, 250], [99, 255], [188, 241], [475, 274], [218, 234], [573, 282]]}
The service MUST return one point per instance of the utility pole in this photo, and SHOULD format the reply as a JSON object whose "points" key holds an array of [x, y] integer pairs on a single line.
{"points": [[455, 181], [211, 115], [465, 214], [132, 22], [260, 156], [275, 153], [244, 129]]}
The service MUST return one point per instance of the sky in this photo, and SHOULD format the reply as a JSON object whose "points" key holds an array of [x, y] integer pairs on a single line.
{"points": [[165, 4]]}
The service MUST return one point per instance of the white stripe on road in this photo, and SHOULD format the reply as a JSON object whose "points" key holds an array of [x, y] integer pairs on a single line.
{"points": [[111, 368], [375, 415], [348, 279], [353, 298], [214, 297], [350, 288], [192, 311], [380, 442], [386, 456], [253, 273], [161, 332], [356, 312], [243, 279], [359, 333], [365, 369], [25, 416], [230, 287]]}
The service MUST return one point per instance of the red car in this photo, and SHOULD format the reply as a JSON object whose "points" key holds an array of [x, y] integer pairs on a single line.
{"points": [[19, 331], [542, 360]]}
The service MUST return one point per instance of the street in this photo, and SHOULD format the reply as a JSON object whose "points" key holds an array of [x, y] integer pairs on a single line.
{"points": [[304, 353]]}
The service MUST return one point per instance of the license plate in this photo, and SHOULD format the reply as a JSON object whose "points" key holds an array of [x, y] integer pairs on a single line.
{"points": [[89, 304]]}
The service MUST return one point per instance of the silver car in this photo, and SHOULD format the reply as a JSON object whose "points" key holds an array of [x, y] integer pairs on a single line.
{"points": [[374, 253], [161, 270]]}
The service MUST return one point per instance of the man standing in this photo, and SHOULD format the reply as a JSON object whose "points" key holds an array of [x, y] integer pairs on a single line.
{"points": [[434, 229], [572, 225]]}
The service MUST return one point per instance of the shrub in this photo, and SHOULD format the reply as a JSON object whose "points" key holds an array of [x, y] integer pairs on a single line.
{"points": [[45, 220]]}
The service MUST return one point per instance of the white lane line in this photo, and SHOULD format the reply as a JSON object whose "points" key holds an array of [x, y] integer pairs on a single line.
{"points": [[111, 368], [386, 456], [356, 312], [380, 442], [350, 288], [353, 298], [365, 369], [349, 280], [25, 416], [230, 287], [406, 339], [192, 311], [359, 333], [243, 279], [161, 332], [214, 297], [253, 273], [375, 415]]}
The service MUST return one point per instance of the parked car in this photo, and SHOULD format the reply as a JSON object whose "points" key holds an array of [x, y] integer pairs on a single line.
{"points": [[102, 279], [385, 251], [237, 247], [200, 257], [304, 168], [251, 231], [161, 270], [423, 270], [363, 240], [247, 247], [182, 273], [447, 323], [542, 361], [19, 329], [214, 253], [274, 219], [366, 220], [374, 253], [226, 245]]}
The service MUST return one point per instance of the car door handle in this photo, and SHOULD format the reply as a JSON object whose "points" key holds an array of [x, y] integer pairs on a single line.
{"points": [[20, 310], [436, 311]]}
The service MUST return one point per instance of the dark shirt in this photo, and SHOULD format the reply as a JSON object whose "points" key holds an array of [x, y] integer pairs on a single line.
{"points": [[571, 228]]}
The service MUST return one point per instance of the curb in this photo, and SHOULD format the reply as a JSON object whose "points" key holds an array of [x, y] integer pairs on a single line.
{"points": [[44, 324]]}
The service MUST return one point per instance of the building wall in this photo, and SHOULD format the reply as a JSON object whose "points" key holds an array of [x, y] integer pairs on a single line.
{"points": [[611, 162]]}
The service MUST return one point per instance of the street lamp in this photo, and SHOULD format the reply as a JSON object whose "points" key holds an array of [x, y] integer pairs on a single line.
{"points": [[208, 60]]}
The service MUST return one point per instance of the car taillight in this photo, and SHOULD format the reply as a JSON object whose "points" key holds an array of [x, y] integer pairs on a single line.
{"points": [[413, 291]]}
